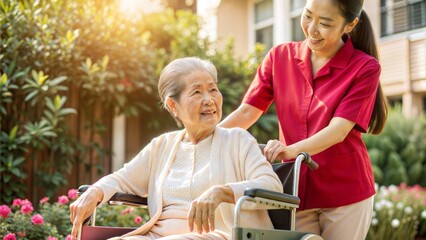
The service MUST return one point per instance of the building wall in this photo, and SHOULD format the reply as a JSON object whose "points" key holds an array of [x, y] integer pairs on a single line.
{"points": [[235, 28]]}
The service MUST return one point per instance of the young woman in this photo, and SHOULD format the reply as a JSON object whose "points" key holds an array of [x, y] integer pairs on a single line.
{"points": [[327, 93]]}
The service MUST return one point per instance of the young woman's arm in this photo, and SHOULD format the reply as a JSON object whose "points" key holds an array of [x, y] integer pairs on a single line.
{"points": [[244, 116], [334, 133]]}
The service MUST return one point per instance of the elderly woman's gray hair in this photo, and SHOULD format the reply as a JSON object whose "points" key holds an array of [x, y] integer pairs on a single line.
{"points": [[170, 84]]}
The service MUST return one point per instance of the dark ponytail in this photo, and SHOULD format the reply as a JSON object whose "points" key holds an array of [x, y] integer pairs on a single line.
{"points": [[362, 37]]}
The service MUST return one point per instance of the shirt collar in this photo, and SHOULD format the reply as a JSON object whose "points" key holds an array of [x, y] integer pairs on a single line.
{"points": [[340, 60]]}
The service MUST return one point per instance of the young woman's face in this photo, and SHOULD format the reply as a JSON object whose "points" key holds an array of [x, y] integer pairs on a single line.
{"points": [[323, 26], [200, 104]]}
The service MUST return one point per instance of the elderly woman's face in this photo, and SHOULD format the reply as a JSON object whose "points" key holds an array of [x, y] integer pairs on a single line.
{"points": [[200, 104]]}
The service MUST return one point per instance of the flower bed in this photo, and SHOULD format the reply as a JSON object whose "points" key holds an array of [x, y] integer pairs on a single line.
{"points": [[399, 213], [51, 221]]}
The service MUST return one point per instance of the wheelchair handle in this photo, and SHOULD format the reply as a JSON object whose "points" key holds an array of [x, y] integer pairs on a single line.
{"points": [[307, 158], [309, 161]]}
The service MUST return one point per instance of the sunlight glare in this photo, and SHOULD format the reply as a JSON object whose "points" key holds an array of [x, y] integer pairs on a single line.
{"points": [[135, 8]]}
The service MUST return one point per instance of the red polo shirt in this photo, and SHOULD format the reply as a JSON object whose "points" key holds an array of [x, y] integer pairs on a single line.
{"points": [[345, 87]]}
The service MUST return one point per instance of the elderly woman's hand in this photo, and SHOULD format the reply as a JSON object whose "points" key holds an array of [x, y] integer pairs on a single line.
{"points": [[83, 207], [201, 212]]}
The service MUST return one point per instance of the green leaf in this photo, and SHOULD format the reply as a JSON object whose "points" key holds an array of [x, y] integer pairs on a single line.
{"points": [[18, 161], [58, 80], [12, 133], [57, 102], [48, 114], [105, 61], [3, 79], [95, 67], [67, 111], [6, 178], [89, 63], [16, 172], [30, 96], [34, 74], [39, 77], [49, 104], [50, 134]]}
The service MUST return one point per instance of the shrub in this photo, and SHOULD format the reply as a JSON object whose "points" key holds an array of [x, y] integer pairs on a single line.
{"points": [[36, 49], [52, 219], [121, 216], [398, 154], [109, 65]]}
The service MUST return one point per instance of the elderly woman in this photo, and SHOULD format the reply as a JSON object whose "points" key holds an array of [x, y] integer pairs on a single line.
{"points": [[194, 176]]}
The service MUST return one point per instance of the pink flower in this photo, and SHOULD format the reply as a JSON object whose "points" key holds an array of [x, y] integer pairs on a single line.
{"points": [[44, 200], [16, 202], [26, 202], [72, 194], [125, 82], [27, 209], [5, 211], [128, 210], [37, 219], [63, 200], [138, 219], [52, 238], [10, 236], [21, 234], [68, 237]]}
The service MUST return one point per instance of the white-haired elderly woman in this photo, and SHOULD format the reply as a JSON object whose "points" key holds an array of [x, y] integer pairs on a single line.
{"points": [[194, 176]]}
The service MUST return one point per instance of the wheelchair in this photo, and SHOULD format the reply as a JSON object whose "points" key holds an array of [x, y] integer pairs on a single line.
{"points": [[281, 208]]}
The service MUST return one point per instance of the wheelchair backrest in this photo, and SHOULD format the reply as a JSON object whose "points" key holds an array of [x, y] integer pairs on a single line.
{"points": [[281, 217]]}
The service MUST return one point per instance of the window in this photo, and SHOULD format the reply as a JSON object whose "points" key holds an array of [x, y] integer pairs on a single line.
{"points": [[265, 36], [402, 15], [296, 8], [264, 23], [395, 101]]}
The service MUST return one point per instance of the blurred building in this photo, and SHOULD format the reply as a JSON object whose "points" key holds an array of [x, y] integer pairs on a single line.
{"points": [[399, 25]]}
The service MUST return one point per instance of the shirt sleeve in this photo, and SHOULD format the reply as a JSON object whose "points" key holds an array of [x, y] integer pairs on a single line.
{"points": [[131, 178], [260, 93], [358, 103]]}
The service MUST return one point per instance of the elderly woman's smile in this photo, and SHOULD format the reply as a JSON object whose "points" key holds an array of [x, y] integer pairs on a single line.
{"points": [[208, 112]]}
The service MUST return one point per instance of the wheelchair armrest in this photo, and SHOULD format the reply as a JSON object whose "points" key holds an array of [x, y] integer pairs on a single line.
{"points": [[271, 195], [128, 199], [271, 199], [120, 198]]}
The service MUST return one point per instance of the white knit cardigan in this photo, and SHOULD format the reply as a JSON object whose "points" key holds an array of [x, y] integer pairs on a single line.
{"points": [[236, 161]]}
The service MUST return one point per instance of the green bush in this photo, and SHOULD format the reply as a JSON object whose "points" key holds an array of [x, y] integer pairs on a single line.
{"points": [[55, 49], [23, 222], [35, 55], [121, 216], [398, 154], [54, 218]]}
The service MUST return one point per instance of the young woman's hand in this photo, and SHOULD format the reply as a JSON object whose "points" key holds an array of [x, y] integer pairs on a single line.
{"points": [[275, 150], [83, 207], [201, 212]]}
